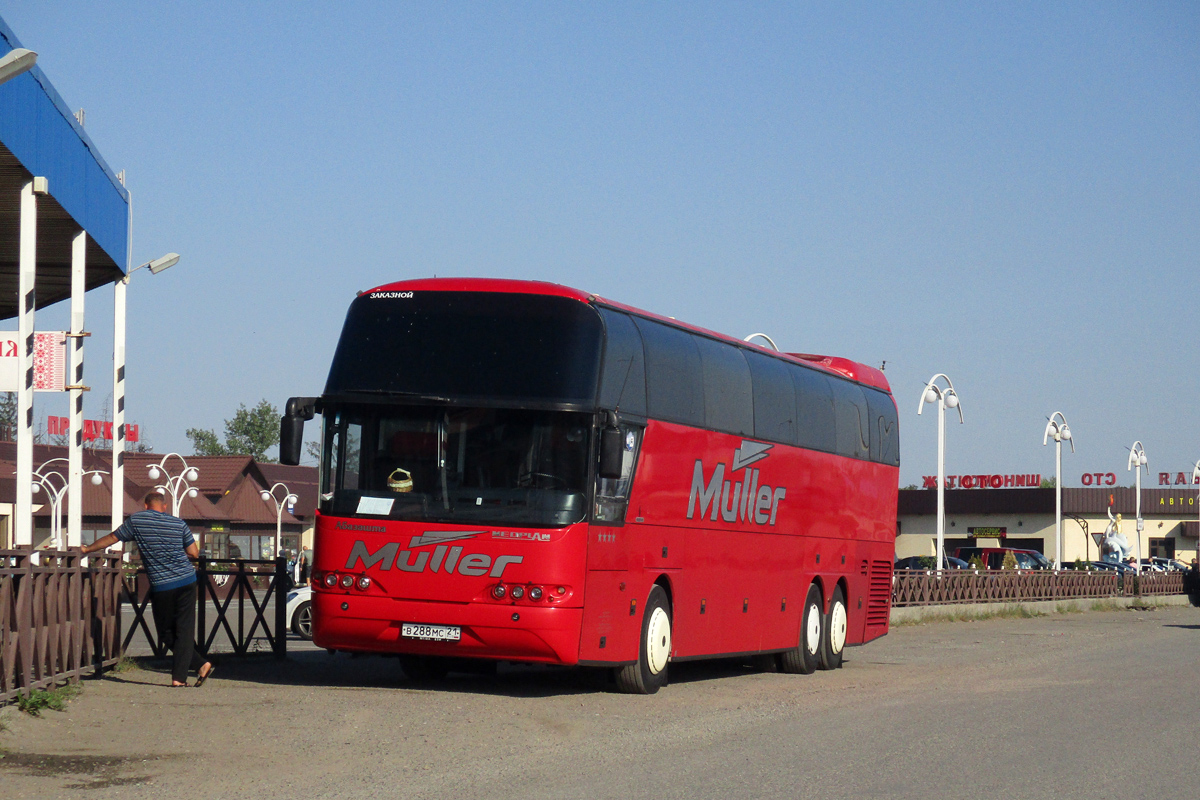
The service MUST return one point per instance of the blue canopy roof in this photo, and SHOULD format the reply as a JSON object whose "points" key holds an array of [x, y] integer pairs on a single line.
{"points": [[39, 136]]}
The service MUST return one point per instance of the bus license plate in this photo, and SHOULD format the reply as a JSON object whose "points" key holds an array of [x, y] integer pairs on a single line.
{"points": [[431, 633]]}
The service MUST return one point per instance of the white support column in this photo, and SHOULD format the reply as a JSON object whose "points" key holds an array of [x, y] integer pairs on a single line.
{"points": [[26, 300], [118, 457], [75, 382]]}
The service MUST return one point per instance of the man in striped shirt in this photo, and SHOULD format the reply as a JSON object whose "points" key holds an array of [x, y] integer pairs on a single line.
{"points": [[167, 547]]}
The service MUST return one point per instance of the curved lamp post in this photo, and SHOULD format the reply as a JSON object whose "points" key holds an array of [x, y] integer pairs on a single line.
{"points": [[118, 459], [1057, 428], [1195, 480], [56, 485], [1137, 461], [268, 497], [177, 486], [945, 398]]}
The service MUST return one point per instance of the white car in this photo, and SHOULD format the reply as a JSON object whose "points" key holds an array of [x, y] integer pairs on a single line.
{"points": [[299, 611]]}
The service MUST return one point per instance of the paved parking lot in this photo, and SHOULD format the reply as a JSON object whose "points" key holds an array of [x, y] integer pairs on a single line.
{"points": [[1098, 704]]}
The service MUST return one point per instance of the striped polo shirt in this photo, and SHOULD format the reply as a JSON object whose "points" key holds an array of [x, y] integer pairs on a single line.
{"points": [[161, 539]]}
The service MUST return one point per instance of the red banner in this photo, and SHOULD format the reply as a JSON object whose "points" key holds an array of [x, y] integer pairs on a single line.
{"points": [[92, 429]]}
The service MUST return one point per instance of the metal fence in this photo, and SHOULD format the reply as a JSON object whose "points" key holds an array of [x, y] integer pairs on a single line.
{"points": [[239, 605], [918, 587], [59, 620]]}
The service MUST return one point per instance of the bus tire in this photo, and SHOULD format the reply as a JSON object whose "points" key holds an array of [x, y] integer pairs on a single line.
{"points": [[833, 643], [422, 669], [649, 674], [803, 659]]}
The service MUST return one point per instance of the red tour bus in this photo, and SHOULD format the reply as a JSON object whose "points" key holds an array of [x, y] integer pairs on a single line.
{"points": [[524, 472]]}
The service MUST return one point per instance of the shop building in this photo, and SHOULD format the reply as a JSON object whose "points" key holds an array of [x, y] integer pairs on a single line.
{"points": [[1024, 518]]}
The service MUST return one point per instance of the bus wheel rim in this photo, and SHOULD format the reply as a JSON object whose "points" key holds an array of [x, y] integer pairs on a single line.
{"points": [[812, 631], [837, 627], [658, 641]]}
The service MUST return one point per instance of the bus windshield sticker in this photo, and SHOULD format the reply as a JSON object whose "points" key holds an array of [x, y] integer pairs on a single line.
{"points": [[380, 506]]}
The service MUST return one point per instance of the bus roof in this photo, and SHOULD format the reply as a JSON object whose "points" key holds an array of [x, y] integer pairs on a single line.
{"points": [[843, 367]]}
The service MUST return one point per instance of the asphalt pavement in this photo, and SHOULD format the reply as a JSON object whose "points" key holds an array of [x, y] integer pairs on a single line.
{"points": [[1089, 705]]}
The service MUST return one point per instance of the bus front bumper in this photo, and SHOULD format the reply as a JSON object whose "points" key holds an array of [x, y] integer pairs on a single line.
{"points": [[510, 632]]}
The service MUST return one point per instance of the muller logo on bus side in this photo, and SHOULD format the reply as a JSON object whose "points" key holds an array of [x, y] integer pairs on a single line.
{"points": [[736, 500]]}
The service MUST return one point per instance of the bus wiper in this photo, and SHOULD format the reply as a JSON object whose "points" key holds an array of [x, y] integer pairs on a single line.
{"points": [[443, 426]]}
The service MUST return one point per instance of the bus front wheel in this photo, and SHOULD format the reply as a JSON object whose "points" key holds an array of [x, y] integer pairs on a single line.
{"points": [[649, 674], [802, 660]]}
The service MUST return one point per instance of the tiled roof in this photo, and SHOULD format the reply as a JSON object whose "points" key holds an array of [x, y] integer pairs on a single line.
{"points": [[301, 481], [245, 504], [218, 474]]}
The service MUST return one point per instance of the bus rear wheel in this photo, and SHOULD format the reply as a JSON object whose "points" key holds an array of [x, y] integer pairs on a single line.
{"points": [[649, 674], [833, 643], [802, 660]]}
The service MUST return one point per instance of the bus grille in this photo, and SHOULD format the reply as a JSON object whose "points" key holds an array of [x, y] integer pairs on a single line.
{"points": [[879, 597]]}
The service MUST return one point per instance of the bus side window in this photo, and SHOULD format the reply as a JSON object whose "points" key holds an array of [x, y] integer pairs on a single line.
{"points": [[885, 430], [816, 428], [853, 425], [612, 494], [623, 381]]}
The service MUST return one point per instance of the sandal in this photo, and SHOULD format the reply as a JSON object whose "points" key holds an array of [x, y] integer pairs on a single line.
{"points": [[201, 679]]}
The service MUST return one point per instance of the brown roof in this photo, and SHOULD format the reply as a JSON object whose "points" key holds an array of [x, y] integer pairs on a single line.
{"points": [[301, 481], [1162, 502], [244, 504], [218, 474]]}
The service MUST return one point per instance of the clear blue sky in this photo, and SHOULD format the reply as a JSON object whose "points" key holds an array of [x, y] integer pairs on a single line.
{"points": [[1008, 193]]}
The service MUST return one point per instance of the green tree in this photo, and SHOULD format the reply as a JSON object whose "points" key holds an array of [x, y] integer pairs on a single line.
{"points": [[8, 415], [1010, 561], [1048, 483], [249, 432]]}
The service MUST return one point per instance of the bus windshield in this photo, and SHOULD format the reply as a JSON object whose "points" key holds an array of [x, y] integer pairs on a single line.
{"points": [[454, 464]]}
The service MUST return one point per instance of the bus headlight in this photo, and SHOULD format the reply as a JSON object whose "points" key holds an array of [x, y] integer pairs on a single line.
{"points": [[535, 593], [331, 579], [498, 591], [364, 583], [518, 592], [347, 581]]}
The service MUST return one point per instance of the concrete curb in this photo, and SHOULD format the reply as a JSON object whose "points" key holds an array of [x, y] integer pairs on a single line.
{"points": [[919, 613]]}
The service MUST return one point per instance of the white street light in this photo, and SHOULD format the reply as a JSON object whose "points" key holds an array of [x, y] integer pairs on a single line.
{"points": [[289, 499], [16, 62], [1195, 480], [156, 266], [945, 398], [1137, 461], [177, 486], [56, 485], [1057, 427]]}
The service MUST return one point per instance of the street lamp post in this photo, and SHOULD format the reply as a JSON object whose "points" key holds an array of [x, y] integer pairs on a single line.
{"points": [[1137, 461], [118, 459], [56, 485], [177, 486], [16, 62], [945, 398], [289, 498], [1196, 480], [1057, 427]]}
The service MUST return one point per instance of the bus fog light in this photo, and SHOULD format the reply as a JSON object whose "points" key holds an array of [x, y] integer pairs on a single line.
{"points": [[535, 593], [364, 583], [518, 592], [498, 591], [561, 590], [331, 579], [347, 581]]}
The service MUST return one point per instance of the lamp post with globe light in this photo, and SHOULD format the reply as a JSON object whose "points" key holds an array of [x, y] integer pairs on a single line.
{"points": [[56, 485], [1137, 462], [177, 486], [1057, 427], [945, 397], [288, 499], [1196, 480]]}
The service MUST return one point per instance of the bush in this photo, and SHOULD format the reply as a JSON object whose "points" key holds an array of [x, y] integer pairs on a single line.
{"points": [[1010, 560]]}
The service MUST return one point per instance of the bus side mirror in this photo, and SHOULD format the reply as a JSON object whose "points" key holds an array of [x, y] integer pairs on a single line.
{"points": [[611, 452], [291, 428]]}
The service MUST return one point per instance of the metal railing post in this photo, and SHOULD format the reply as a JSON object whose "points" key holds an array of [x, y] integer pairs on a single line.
{"points": [[281, 572]]}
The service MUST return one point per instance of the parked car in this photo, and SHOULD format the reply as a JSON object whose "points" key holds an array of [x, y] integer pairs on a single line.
{"points": [[1110, 566], [993, 557], [299, 611], [927, 562], [1165, 564]]}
